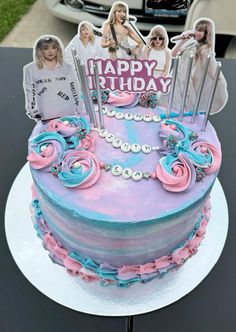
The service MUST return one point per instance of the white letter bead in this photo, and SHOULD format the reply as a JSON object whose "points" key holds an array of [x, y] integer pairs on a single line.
{"points": [[125, 147], [136, 176], [146, 148], [138, 117], [129, 116], [104, 110], [109, 138], [117, 143], [116, 170], [127, 173], [103, 133], [135, 148], [147, 118], [111, 113], [156, 118], [119, 115], [66, 123]]}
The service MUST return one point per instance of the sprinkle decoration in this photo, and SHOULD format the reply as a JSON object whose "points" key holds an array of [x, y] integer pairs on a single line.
{"points": [[148, 99]]}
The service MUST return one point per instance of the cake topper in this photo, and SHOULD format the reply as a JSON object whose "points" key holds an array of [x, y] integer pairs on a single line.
{"points": [[117, 65], [121, 39], [198, 44], [50, 84]]}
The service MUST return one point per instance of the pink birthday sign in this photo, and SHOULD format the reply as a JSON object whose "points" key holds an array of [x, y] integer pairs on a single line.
{"points": [[128, 75]]}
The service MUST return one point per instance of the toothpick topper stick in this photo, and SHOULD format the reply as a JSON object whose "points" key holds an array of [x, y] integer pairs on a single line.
{"points": [[186, 83], [87, 93], [172, 88], [199, 93], [212, 94], [99, 97], [80, 77]]}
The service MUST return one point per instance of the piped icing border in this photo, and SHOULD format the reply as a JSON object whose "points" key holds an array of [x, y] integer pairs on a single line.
{"points": [[107, 274]]}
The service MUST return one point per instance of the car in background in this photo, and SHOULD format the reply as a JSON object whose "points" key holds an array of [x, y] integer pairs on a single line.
{"points": [[176, 16], [171, 14]]}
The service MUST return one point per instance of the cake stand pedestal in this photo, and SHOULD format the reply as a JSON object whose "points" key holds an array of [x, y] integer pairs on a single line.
{"points": [[92, 298]]}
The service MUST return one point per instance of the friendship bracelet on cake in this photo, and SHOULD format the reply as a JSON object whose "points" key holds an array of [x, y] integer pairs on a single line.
{"points": [[125, 146], [111, 113]]}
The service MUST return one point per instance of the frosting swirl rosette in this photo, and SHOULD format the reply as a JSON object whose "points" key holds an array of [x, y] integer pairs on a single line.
{"points": [[176, 174], [212, 155], [61, 127], [70, 127], [79, 169], [45, 150]]}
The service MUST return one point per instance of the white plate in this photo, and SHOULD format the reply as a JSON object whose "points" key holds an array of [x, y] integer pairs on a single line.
{"points": [[53, 281]]}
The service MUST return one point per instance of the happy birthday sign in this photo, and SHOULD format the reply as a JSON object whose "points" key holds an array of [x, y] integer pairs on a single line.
{"points": [[127, 75]]}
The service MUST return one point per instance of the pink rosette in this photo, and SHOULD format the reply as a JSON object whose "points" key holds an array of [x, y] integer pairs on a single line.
{"points": [[79, 169], [46, 149], [61, 127], [121, 98], [205, 148], [86, 143], [183, 175]]}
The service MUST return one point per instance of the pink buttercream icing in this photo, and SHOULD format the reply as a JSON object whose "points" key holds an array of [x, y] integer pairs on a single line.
{"points": [[45, 159], [88, 162], [87, 143], [215, 154], [121, 98], [62, 128], [181, 178]]}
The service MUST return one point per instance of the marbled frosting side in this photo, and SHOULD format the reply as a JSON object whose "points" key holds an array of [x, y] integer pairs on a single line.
{"points": [[118, 221]]}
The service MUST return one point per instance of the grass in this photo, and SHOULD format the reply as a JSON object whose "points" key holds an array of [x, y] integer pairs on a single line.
{"points": [[11, 12]]}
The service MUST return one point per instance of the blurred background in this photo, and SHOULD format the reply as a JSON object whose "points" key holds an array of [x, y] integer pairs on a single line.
{"points": [[23, 21]]}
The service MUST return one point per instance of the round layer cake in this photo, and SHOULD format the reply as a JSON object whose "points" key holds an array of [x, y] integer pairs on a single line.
{"points": [[126, 203]]}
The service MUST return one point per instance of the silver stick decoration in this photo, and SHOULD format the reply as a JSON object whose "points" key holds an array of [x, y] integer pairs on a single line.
{"points": [[186, 83], [80, 77], [172, 87], [200, 88], [99, 97], [211, 97], [88, 95]]}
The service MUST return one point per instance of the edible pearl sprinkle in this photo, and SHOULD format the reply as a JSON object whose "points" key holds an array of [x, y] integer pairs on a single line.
{"points": [[77, 164], [43, 147]]}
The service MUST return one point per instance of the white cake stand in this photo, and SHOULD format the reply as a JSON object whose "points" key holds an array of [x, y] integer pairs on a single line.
{"points": [[92, 298]]}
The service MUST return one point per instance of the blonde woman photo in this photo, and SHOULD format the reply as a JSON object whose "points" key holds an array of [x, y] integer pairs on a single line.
{"points": [[49, 82], [157, 49], [86, 44], [200, 41], [120, 39]]}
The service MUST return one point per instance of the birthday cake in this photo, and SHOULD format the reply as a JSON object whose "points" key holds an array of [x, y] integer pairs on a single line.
{"points": [[126, 203], [121, 190]]}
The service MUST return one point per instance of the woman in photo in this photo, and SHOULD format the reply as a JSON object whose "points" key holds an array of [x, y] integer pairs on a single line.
{"points": [[120, 40], [49, 82], [201, 43], [86, 44], [157, 49]]}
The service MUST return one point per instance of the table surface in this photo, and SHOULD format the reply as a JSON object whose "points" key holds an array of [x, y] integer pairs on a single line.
{"points": [[209, 307]]}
